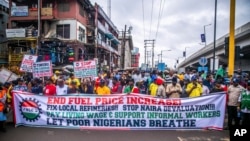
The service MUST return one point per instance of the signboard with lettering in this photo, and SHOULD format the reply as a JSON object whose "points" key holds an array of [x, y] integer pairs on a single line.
{"points": [[120, 111], [85, 69], [42, 69], [19, 32], [27, 63], [19, 11]]}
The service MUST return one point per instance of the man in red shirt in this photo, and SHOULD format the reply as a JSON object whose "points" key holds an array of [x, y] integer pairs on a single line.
{"points": [[50, 88], [117, 88]]}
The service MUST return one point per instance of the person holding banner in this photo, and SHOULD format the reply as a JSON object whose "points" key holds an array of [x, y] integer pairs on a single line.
{"points": [[194, 89], [102, 89], [131, 88], [233, 105], [86, 87], [174, 89], [61, 88], [50, 88], [2, 107], [20, 86], [72, 78], [73, 89]]}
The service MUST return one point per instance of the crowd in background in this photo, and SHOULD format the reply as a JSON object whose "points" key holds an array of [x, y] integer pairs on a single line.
{"points": [[167, 84]]}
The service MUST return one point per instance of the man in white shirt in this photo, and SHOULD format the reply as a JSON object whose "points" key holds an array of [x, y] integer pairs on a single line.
{"points": [[136, 76], [61, 88]]}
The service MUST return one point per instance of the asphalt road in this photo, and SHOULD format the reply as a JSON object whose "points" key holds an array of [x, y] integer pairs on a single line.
{"points": [[22, 133]]}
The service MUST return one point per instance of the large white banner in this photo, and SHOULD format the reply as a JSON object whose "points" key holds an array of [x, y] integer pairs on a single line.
{"points": [[134, 111]]}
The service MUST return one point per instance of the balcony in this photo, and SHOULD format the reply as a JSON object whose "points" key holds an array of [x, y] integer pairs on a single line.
{"points": [[101, 27]]}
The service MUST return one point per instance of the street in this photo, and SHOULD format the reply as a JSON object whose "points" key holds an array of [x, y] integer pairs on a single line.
{"points": [[22, 133]]}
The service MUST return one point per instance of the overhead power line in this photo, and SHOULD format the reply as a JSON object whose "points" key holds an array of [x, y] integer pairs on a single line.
{"points": [[143, 17], [159, 17], [152, 10]]}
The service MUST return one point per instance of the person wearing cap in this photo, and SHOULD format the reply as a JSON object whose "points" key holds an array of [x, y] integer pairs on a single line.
{"points": [[56, 76], [50, 88], [174, 89], [20, 86], [131, 88], [61, 88], [194, 89], [161, 91], [73, 78], [205, 89], [234, 92], [244, 102], [102, 89]]}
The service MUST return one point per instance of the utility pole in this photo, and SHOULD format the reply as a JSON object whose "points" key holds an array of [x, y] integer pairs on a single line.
{"points": [[38, 25], [123, 47], [231, 56], [153, 53], [151, 44]]}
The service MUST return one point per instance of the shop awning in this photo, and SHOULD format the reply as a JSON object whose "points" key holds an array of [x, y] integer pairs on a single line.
{"points": [[111, 37]]}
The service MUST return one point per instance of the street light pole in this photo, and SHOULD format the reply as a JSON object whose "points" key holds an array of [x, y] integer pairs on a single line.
{"points": [[186, 52], [159, 58], [205, 33], [161, 53], [215, 18]]}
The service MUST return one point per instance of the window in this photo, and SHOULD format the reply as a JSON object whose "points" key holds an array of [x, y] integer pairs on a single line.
{"points": [[81, 35], [63, 31], [63, 6], [18, 50]]}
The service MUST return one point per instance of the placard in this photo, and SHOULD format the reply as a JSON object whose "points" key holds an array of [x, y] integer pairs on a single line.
{"points": [[42, 69], [27, 63], [84, 69]]}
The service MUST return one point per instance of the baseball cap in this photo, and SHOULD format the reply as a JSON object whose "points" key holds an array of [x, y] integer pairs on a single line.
{"points": [[174, 79], [193, 78], [236, 80]]}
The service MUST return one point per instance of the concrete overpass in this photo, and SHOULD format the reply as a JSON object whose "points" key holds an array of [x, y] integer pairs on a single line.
{"points": [[242, 39]]}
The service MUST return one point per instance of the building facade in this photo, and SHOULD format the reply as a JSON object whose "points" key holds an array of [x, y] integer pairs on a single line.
{"points": [[135, 57], [4, 14], [62, 31]]}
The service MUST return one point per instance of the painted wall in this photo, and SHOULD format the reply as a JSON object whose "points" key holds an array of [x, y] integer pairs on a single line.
{"points": [[74, 29]]}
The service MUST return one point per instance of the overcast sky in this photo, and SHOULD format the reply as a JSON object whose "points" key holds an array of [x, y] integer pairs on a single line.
{"points": [[180, 26]]}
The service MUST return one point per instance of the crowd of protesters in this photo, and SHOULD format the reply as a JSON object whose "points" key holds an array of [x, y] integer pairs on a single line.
{"points": [[167, 84]]}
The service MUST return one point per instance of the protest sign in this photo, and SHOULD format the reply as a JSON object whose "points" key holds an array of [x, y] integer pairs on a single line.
{"points": [[42, 69], [4, 75], [84, 69], [27, 63], [134, 111]]}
